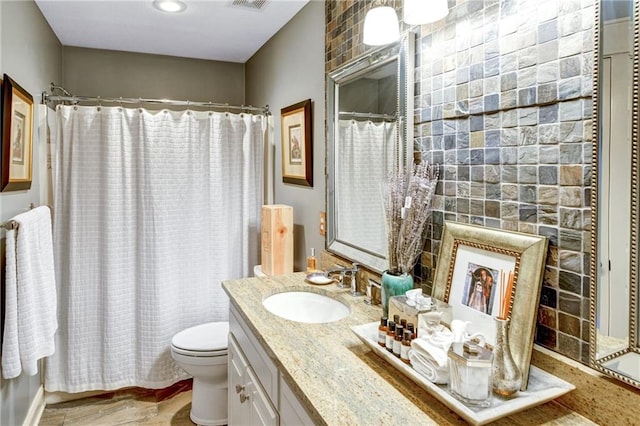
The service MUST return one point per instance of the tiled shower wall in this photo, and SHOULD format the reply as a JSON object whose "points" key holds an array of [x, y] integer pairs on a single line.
{"points": [[503, 103]]}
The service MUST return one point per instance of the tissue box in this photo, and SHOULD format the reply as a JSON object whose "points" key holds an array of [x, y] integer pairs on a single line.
{"points": [[398, 305]]}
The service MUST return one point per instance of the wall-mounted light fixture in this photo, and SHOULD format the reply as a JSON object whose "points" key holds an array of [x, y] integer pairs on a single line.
{"points": [[381, 25], [418, 12]]}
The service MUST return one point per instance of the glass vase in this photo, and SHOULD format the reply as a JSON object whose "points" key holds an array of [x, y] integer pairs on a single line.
{"points": [[394, 285], [507, 377]]}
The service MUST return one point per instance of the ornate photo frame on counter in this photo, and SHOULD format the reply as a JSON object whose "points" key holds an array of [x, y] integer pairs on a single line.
{"points": [[17, 136], [486, 273], [297, 148]]}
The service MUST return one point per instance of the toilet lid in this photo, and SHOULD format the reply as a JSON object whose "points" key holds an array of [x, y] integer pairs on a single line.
{"points": [[212, 336]]}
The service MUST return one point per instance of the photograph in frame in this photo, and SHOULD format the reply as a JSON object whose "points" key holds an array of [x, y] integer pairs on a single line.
{"points": [[296, 144], [17, 136], [474, 291]]}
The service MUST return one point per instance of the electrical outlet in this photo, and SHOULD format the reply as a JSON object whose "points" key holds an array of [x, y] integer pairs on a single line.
{"points": [[323, 222]]}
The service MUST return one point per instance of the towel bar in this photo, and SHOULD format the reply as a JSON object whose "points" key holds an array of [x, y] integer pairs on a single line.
{"points": [[12, 224]]}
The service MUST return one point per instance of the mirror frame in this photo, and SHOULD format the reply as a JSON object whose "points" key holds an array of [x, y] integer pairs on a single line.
{"points": [[595, 362], [404, 52]]}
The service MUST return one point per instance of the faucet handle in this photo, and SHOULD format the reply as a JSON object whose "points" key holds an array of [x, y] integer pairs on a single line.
{"points": [[370, 284], [354, 281]]}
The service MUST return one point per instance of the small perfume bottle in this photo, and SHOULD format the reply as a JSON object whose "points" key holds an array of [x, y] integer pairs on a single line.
{"points": [[312, 262], [470, 373]]}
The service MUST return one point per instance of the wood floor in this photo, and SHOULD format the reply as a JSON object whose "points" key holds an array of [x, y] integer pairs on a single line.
{"points": [[132, 406]]}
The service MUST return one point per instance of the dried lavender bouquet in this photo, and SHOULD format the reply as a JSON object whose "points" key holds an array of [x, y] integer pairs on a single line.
{"points": [[407, 209]]}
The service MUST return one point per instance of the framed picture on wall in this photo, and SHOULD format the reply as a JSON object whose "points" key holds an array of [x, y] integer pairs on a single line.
{"points": [[297, 150], [17, 136]]}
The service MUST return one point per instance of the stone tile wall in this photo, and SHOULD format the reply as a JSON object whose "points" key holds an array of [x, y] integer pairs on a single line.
{"points": [[503, 103]]}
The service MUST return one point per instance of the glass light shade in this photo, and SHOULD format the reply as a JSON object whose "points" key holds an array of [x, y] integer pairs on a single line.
{"points": [[381, 26], [418, 12]]}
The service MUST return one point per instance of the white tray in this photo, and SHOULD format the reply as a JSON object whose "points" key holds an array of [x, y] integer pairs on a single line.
{"points": [[542, 386]]}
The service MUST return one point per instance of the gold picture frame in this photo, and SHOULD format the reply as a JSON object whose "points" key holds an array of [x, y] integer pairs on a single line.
{"points": [[466, 249], [17, 137], [297, 150]]}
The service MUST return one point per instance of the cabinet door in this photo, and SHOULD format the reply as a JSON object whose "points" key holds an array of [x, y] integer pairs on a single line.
{"points": [[262, 411], [238, 405], [290, 410]]}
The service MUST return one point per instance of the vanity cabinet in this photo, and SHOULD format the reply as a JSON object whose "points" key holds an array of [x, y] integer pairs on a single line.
{"points": [[248, 402], [258, 395]]}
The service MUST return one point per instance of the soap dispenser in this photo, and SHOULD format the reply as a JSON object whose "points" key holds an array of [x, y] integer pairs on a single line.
{"points": [[312, 262]]}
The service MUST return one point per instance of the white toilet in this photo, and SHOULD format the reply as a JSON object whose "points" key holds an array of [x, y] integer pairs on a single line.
{"points": [[202, 352]]}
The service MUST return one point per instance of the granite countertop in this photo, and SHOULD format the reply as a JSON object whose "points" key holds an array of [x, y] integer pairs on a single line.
{"points": [[338, 378]]}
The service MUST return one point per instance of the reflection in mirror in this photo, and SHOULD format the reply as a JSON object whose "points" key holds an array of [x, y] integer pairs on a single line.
{"points": [[614, 337], [368, 134]]}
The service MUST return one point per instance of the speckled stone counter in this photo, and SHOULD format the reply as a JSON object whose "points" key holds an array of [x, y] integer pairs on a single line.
{"points": [[338, 379]]}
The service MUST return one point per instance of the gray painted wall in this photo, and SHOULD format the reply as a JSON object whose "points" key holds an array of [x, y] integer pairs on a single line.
{"points": [[285, 71], [95, 72], [30, 54]]}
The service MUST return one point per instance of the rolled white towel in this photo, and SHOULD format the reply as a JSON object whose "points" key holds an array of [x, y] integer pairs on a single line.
{"points": [[436, 352], [429, 368]]}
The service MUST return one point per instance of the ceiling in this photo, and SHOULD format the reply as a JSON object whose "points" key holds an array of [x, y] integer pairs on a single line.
{"points": [[207, 29]]}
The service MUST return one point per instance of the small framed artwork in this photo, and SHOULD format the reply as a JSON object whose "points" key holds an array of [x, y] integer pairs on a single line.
{"points": [[297, 151], [17, 136], [486, 273]]}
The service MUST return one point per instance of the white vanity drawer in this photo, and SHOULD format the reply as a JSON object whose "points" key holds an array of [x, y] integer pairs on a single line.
{"points": [[265, 369]]}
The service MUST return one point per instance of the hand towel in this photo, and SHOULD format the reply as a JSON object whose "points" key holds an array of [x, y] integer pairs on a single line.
{"points": [[31, 302], [433, 349], [427, 367], [10, 352], [428, 356]]}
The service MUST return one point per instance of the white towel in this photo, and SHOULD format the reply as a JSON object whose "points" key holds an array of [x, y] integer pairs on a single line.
{"points": [[435, 351], [430, 358], [30, 305], [427, 367]]}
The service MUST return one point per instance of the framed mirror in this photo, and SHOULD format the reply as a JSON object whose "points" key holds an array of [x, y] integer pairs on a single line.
{"points": [[369, 133], [614, 345]]}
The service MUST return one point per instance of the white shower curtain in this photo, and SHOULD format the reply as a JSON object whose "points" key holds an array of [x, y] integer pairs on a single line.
{"points": [[362, 146], [152, 211]]}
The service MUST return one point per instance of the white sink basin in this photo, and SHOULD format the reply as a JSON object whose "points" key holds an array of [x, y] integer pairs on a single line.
{"points": [[303, 306]]}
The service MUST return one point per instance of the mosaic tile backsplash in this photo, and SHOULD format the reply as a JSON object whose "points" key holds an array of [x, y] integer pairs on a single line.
{"points": [[503, 103]]}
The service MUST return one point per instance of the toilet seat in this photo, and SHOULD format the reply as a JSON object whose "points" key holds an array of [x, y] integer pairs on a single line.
{"points": [[204, 340]]}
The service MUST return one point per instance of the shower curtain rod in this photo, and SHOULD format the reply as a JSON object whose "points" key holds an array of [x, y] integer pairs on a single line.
{"points": [[368, 115], [68, 97]]}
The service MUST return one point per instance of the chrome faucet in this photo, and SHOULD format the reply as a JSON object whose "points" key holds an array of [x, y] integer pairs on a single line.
{"points": [[336, 269], [343, 271]]}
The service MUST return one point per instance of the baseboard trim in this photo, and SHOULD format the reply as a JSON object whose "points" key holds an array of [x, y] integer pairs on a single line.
{"points": [[58, 397], [36, 409]]}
